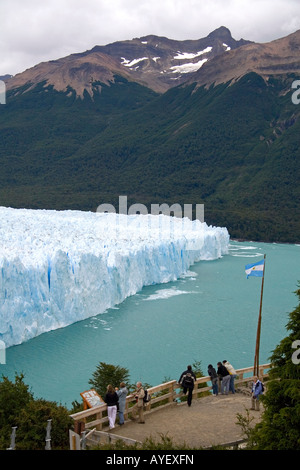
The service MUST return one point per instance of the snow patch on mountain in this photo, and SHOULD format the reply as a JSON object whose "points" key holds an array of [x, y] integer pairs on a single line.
{"points": [[188, 55], [131, 63], [189, 67]]}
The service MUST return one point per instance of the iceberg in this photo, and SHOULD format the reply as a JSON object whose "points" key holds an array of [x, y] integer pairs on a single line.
{"points": [[60, 267]]}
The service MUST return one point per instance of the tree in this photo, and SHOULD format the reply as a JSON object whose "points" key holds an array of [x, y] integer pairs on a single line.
{"points": [[13, 397], [32, 422], [197, 368], [279, 428], [19, 408], [108, 374]]}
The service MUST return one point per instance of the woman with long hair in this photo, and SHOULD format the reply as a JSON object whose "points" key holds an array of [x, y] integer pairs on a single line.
{"points": [[111, 399]]}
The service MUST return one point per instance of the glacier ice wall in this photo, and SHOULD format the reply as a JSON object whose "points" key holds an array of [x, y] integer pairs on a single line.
{"points": [[59, 267]]}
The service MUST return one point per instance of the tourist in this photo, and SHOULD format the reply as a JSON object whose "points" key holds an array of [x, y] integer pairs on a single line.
{"points": [[214, 379], [139, 407], [111, 399], [224, 377], [257, 389], [122, 393], [232, 373], [187, 381]]}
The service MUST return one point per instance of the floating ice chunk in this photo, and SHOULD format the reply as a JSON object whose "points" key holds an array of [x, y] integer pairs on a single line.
{"points": [[166, 294]]}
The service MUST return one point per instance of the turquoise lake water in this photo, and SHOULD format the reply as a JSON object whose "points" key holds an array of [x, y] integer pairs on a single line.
{"points": [[209, 315]]}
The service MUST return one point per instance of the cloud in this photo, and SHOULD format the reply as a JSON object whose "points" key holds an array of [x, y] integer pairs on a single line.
{"points": [[33, 31]]}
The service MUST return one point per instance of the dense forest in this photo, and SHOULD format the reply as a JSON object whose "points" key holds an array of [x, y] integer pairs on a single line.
{"points": [[232, 147]]}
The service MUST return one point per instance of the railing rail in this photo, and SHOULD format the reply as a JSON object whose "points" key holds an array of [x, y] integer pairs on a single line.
{"points": [[163, 394], [101, 436]]}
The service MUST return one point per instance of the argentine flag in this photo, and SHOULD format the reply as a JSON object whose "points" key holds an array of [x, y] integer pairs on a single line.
{"points": [[256, 269]]}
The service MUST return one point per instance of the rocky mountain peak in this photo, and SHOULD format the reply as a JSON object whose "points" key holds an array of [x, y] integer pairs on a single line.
{"points": [[275, 58], [160, 63], [157, 62], [221, 33]]}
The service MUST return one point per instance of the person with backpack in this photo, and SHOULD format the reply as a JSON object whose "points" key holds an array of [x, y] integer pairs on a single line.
{"points": [[139, 407], [187, 381], [257, 389]]}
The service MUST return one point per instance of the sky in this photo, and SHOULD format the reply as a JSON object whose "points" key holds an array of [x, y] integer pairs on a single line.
{"points": [[34, 31]]}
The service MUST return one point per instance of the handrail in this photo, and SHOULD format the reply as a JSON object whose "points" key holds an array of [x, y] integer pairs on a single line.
{"points": [[162, 394], [114, 437]]}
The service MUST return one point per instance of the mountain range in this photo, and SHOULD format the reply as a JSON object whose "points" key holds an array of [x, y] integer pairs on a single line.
{"points": [[208, 121], [155, 62]]}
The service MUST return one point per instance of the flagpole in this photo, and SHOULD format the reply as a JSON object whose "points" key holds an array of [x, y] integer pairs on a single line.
{"points": [[256, 358]]}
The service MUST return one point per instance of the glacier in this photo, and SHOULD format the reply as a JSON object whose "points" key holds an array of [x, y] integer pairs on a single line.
{"points": [[60, 267]]}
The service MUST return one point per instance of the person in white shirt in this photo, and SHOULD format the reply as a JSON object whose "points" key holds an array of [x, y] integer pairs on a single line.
{"points": [[232, 373]]}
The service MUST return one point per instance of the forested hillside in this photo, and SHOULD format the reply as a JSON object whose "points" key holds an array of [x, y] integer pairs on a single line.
{"points": [[234, 149]]}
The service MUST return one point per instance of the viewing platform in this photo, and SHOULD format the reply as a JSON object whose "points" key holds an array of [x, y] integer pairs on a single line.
{"points": [[209, 421]]}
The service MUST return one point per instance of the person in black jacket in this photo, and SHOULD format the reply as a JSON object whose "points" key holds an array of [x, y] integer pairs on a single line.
{"points": [[111, 399], [214, 379], [224, 377], [187, 381]]}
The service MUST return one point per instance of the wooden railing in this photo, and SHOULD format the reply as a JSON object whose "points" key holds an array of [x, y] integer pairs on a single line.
{"points": [[163, 394]]}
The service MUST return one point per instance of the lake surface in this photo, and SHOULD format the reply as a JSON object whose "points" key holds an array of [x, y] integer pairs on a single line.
{"points": [[209, 315]]}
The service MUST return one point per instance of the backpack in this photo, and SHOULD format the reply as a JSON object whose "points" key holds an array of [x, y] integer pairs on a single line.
{"points": [[262, 386], [147, 396], [188, 380]]}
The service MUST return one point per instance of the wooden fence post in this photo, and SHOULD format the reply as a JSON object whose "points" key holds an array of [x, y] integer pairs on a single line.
{"points": [[99, 416]]}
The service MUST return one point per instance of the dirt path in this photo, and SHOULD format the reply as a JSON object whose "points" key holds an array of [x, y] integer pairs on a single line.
{"points": [[208, 421]]}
